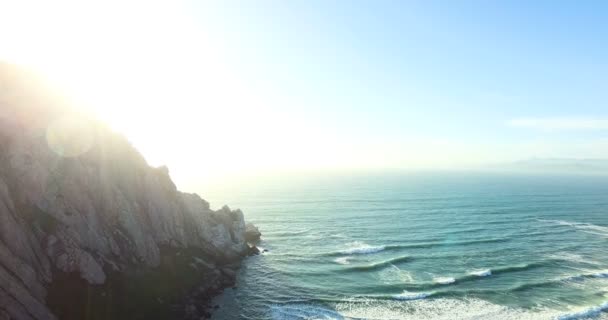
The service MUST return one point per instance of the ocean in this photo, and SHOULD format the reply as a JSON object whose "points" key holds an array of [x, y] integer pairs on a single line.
{"points": [[422, 246]]}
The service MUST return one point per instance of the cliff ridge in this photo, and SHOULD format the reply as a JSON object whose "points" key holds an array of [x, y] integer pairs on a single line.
{"points": [[86, 223]]}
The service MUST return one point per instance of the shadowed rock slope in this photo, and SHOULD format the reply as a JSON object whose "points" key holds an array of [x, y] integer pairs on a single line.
{"points": [[88, 230]]}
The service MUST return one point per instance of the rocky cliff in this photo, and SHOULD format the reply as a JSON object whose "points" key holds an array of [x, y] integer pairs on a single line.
{"points": [[88, 230]]}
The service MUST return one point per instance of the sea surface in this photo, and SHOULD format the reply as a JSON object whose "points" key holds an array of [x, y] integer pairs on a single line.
{"points": [[422, 246]]}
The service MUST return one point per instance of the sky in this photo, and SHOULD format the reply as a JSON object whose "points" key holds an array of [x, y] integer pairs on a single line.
{"points": [[226, 88]]}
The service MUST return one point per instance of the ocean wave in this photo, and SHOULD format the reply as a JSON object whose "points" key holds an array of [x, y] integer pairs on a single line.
{"points": [[476, 241], [303, 311], [536, 285], [584, 227], [362, 248], [559, 281], [467, 231], [410, 306], [590, 275], [444, 280], [551, 232], [379, 265], [412, 295], [472, 276], [520, 267], [394, 274], [343, 260], [600, 275], [572, 257], [481, 273], [585, 314], [475, 274], [450, 243], [414, 305], [558, 222]]}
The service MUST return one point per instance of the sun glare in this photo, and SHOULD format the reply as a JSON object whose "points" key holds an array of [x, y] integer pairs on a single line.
{"points": [[164, 80], [146, 70]]}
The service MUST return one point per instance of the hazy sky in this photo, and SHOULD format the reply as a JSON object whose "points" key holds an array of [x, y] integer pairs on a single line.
{"points": [[216, 88]]}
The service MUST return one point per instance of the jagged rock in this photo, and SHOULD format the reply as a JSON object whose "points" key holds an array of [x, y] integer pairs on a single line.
{"points": [[77, 201], [252, 233], [229, 272], [253, 250]]}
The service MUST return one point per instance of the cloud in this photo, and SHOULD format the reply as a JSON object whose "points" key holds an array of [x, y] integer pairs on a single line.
{"points": [[561, 123]]}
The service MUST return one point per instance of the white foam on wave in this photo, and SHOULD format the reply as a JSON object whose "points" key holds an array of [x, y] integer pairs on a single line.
{"points": [[264, 251], [358, 247], [438, 309], [481, 273], [586, 313], [412, 295], [582, 276], [343, 260], [444, 280], [426, 309], [584, 227], [572, 257], [394, 274]]}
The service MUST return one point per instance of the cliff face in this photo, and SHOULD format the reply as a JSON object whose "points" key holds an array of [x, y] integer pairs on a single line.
{"points": [[83, 218]]}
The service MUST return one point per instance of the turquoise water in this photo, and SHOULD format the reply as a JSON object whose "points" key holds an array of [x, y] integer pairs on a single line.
{"points": [[423, 246]]}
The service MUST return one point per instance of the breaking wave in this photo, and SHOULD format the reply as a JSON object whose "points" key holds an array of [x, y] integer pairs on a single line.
{"points": [[419, 308], [379, 265]]}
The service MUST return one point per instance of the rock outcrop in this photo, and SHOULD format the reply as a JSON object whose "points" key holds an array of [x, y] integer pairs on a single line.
{"points": [[252, 233], [88, 230]]}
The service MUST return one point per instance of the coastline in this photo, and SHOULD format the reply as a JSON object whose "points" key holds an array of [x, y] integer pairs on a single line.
{"points": [[88, 230]]}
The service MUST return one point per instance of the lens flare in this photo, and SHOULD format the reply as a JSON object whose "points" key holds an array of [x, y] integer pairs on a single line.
{"points": [[70, 136]]}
